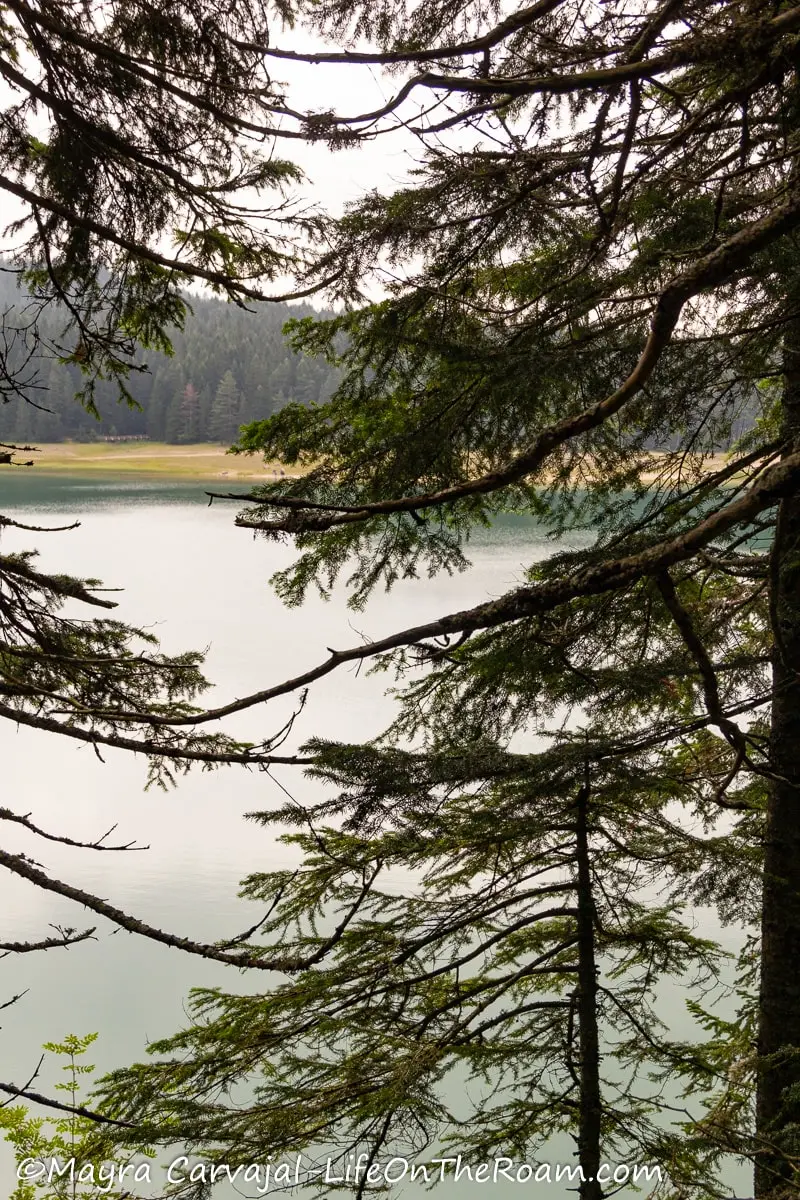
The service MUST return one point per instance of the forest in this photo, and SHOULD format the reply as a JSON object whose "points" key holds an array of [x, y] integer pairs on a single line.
{"points": [[527, 888], [230, 365]]}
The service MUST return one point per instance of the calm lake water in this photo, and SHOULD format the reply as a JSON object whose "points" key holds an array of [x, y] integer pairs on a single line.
{"points": [[188, 574]]}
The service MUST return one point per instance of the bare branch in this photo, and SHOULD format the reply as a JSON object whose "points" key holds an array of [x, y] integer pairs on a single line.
{"points": [[76, 1110], [13, 1000], [7, 815], [17, 864], [7, 522], [66, 937]]}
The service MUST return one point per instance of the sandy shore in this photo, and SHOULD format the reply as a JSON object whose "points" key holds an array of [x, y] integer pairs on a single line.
{"points": [[202, 461], [150, 459]]}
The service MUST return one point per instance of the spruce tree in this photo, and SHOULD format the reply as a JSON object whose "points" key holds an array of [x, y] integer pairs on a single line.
{"points": [[594, 292], [594, 296], [225, 414]]}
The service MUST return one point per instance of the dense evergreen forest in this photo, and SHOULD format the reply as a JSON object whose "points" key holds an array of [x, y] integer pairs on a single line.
{"points": [[230, 365]]}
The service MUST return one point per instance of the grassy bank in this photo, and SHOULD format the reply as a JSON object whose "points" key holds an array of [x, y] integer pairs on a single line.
{"points": [[154, 459], [200, 461]]}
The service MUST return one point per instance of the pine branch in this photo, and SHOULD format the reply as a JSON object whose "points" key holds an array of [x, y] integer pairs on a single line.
{"points": [[600, 579], [711, 270]]}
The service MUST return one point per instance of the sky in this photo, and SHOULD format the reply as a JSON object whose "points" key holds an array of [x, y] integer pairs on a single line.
{"points": [[333, 178], [336, 177]]}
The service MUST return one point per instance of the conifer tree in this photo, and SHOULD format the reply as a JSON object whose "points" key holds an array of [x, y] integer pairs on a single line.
{"points": [[217, 337], [154, 119], [520, 979], [131, 147], [595, 262], [225, 415]]}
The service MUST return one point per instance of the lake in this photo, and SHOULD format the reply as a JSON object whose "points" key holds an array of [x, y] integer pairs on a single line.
{"points": [[198, 582]]}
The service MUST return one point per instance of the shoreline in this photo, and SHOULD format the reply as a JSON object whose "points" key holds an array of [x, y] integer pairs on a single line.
{"points": [[149, 460], [192, 462]]}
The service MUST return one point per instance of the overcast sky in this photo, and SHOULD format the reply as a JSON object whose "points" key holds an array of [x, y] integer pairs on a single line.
{"points": [[333, 177]]}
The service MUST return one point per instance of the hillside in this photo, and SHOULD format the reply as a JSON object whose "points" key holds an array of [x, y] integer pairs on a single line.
{"points": [[230, 366]]}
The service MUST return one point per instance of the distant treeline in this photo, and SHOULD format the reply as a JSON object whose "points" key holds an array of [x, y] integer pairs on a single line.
{"points": [[230, 366]]}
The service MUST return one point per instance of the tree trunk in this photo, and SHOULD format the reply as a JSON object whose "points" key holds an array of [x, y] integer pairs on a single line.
{"points": [[588, 1038], [778, 1110]]}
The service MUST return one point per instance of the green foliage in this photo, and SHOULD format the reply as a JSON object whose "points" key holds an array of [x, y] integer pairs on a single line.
{"points": [[589, 270], [215, 339], [461, 984], [101, 681], [127, 131], [593, 267], [64, 1157]]}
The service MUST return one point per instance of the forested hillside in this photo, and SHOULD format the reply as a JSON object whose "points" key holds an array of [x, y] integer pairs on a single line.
{"points": [[230, 366]]}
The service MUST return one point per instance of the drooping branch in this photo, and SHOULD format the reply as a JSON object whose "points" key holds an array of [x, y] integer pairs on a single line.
{"points": [[8, 523], [19, 865], [153, 748], [181, 267], [512, 24], [151, 72], [62, 585], [694, 644], [714, 268], [688, 52], [609, 576]]}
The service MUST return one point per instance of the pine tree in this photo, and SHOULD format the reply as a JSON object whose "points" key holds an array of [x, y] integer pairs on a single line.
{"points": [[225, 415]]}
